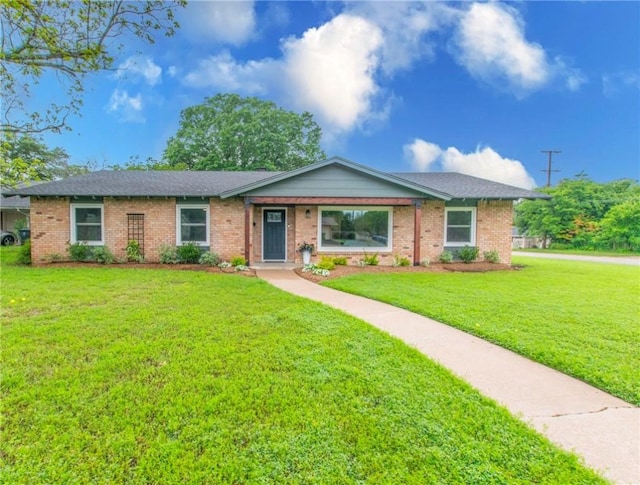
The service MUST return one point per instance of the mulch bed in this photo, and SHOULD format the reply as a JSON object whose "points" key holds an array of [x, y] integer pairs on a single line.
{"points": [[478, 267], [174, 267]]}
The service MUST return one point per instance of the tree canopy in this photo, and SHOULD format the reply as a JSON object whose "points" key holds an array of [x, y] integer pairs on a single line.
{"points": [[24, 158], [585, 214], [70, 39], [229, 132]]}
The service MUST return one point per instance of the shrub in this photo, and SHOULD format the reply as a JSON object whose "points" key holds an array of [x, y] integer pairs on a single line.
{"points": [[168, 254], [491, 256], [446, 256], [188, 253], [426, 262], [133, 251], [370, 260], [209, 259], [401, 260], [238, 261], [242, 267], [24, 253], [103, 255], [468, 254], [79, 252], [340, 261], [326, 262], [224, 264]]}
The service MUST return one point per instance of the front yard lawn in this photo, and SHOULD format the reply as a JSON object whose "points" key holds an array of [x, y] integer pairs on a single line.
{"points": [[580, 318], [157, 376]]}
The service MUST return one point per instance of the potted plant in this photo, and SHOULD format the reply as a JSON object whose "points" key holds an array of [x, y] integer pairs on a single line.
{"points": [[305, 249]]}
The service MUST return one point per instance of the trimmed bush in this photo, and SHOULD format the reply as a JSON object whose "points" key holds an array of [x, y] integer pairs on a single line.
{"points": [[189, 253], [446, 256], [102, 255], [340, 261], [168, 254], [491, 256], [79, 252], [209, 259], [468, 254], [238, 261], [326, 262]]}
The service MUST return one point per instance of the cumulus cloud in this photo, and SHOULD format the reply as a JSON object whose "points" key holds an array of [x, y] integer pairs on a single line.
{"points": [[329, 71], [223, 72], [140, 66], [224, 22], [422, 154], [490, 43], [484, 162], [128, 108]]}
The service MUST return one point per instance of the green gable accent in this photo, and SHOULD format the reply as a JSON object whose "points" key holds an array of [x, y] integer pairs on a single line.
{"points": [[335, 177]]}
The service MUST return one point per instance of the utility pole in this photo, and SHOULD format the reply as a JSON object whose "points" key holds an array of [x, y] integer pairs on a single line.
{"points": [[548, 170]]}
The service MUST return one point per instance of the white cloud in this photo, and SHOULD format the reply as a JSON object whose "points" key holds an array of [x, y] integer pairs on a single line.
{"points": [[330, 71], [128, 108], [484, 163], [491, 46], [422, 154], [140, 67], [173, 71], [404, 26], [223, 72], [215, 21]]}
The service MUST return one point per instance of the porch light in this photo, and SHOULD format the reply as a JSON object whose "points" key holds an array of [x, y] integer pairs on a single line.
{"points": [[307, 213]]}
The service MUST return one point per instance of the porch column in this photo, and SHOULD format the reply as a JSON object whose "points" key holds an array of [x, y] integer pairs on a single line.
{"points": [[417, 230], [247, 229]]}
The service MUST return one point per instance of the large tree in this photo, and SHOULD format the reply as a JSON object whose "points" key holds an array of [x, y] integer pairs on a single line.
{"points": [[69, 39], [24, 158], [229, 132], [576, 211]]}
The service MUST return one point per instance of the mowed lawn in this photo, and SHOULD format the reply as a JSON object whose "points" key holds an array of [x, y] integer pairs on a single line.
{"points": [[115, 375], [580, 318]]}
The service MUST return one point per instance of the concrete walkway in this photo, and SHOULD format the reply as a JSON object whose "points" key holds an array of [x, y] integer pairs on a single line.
{"points": [[601, 428], [625, 260]]}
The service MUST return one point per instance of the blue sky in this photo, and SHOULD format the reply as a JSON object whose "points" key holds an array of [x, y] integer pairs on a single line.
{"points": [[478, 88]]}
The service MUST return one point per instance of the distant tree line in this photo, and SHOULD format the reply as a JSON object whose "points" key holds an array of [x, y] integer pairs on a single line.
{"points": [[584, 214]]}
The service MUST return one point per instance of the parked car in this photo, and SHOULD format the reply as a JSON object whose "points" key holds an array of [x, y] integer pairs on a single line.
{"points": [[7, 238]]}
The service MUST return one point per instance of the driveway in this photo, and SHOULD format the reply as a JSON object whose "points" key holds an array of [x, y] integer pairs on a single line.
{"points": [[626, 260]]}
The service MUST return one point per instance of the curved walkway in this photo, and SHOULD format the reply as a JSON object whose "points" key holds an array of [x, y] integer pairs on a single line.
{"points": [[601, 428]]}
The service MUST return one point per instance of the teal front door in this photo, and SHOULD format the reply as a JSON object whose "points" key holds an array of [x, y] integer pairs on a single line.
{"points": [[274, 235]]}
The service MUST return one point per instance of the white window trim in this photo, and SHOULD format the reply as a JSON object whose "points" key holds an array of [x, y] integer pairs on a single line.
{"points": [[74, 227], [204, 207], [357, 249], [473, 226]]}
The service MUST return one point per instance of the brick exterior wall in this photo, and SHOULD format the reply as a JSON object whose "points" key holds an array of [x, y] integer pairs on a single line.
{"points": [[493, 228], [50, 224]]}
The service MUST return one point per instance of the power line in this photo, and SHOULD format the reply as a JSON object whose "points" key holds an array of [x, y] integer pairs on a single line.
{"points": [[548, 170]]}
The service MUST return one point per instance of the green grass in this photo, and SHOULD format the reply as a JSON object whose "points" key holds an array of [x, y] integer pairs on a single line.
{"points": [[148, 376], [579, 252], [580, 318]]}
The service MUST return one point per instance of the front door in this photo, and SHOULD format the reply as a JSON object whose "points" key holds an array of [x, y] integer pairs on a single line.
{"points": [[274, 235]]}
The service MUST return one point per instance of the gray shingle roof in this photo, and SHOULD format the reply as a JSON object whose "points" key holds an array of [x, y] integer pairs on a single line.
{"points": [[132, 183], [461, 186], [126, 183]]}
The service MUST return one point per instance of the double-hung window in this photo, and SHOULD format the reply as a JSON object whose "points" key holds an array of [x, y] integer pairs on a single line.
{"points": [[460, 226], [87, 224], [355, 228], [192, 224]]}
